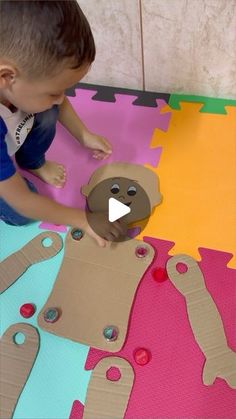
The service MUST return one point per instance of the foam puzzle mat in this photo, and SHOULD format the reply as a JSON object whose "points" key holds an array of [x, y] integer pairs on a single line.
{"points": [[189, 142]]}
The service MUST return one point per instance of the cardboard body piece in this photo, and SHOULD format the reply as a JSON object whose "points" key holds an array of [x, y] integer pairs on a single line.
{"points": [[16, 361], [205, 321], [34, 251], [106, 398], [95, 289]]}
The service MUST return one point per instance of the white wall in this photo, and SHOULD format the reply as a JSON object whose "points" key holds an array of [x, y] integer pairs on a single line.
{"points": [[184, 46]]}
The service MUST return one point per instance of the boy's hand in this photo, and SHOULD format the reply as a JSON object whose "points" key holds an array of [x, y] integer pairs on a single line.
{"points": [[99, 145], [70, 120], [99, 223], [105, 230]]}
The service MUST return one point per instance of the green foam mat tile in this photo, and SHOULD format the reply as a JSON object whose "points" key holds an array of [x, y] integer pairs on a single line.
{"points": [[210, 105]]}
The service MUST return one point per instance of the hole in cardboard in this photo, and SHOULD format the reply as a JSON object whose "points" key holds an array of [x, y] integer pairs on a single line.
{"points": [[181, 268], [19, 338], [47, 242], [113, 374], [141, 251]]}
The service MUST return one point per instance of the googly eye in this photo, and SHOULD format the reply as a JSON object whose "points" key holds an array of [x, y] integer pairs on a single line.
{"points": [[131, 191], [115, 188]]}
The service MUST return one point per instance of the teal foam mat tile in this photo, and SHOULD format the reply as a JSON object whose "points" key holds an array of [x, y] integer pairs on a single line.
{"points": [[58, 376]]}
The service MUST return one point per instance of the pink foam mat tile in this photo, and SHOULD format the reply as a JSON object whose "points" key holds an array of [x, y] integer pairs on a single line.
{"points": [[129, 128], [170, 385], [77, 410], [53, 227]]}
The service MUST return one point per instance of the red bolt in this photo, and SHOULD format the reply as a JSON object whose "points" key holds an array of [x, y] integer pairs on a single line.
{"points": [[27, 310], [160, 274], [142, 356]]}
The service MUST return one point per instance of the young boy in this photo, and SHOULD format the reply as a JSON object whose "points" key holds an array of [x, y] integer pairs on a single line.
{"points": [[46, 47]]}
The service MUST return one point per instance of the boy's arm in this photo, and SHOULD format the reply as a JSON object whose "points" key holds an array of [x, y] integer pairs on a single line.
{"points": [[30, 204], [71, 121]]}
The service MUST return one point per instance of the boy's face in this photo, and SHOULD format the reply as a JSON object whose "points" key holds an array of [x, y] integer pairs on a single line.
{"points": [[38, 95]]}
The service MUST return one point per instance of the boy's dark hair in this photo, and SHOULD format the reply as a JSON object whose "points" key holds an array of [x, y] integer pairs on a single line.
{"points": [[38, 36]]}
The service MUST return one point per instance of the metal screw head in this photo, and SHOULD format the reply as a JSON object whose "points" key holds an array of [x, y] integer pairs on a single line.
{"points": [[110, 333], [77, 234], [51, 315]]}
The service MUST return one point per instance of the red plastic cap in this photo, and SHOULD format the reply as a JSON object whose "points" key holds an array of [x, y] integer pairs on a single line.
{"points": [[27, 310], [160, 274], [142, 356]]}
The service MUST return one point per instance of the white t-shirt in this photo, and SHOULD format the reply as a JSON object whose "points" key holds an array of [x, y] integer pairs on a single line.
{"points": [[18, 124]]}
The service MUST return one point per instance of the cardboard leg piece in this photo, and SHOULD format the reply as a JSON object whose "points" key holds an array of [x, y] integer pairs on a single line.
{"points": [[205, 321], [35, 251], [94, 291], [106, 398], [16, 360]]}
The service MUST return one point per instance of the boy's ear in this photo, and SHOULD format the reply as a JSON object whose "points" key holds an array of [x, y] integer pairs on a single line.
{"points": [[7, 75], [85, 190]]}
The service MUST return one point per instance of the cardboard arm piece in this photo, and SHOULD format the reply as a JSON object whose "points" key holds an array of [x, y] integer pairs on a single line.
{"points": [[205, 321], [16, 264], [16, 363], [105, 397]]}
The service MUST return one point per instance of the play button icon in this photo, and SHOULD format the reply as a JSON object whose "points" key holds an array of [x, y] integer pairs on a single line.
{"points": [[121, 193], [116, 210]]}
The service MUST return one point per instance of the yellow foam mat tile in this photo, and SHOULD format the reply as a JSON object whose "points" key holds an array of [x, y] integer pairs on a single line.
{"points": [[197, 171]]}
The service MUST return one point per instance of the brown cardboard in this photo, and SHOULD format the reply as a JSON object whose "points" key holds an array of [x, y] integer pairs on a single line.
{"points": [[16, 264], [105, 398], [205, 321], [148, 195], [16, 362], [95, 288]]}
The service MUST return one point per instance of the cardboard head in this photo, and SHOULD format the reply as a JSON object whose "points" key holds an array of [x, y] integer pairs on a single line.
{"points": [[132, 184]]}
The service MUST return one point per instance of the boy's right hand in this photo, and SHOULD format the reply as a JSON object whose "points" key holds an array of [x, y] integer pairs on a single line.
{"points": [[104, 230]]}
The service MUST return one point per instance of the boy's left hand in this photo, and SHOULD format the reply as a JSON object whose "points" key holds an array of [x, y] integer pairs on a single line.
{"points": [[99, 145]]}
